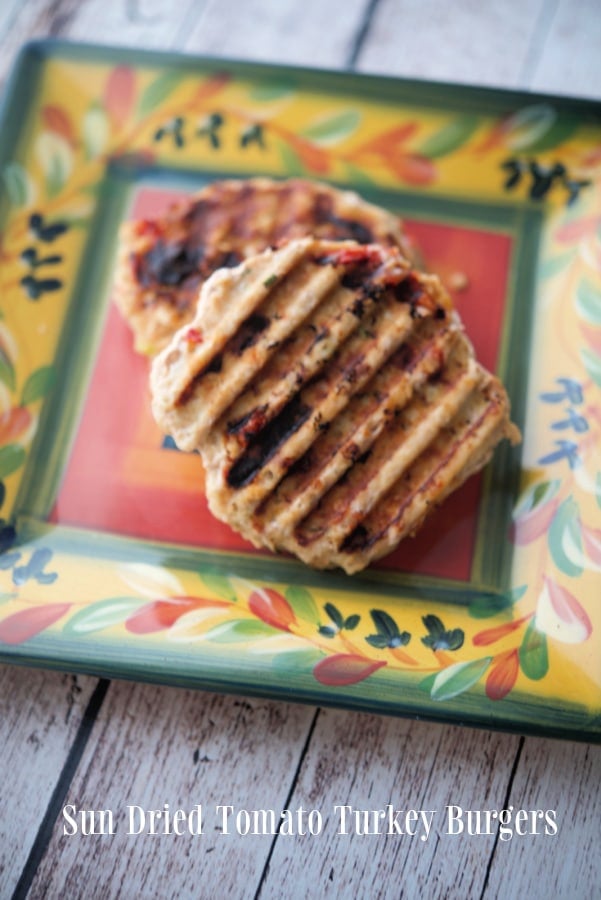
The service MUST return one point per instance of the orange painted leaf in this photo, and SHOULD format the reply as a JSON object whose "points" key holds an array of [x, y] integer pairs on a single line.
{"points": [[13, 423], [271, 607], [120, 94], [162, 614], [490, 635], [212, 85], [503, 675], [26, 623], [345, 668], [383, 143], [57, 120], [313, 158], [411, 168]]}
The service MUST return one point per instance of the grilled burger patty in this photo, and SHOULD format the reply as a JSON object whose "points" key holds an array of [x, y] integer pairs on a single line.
{"points": [[333, 396], [163, 262]]}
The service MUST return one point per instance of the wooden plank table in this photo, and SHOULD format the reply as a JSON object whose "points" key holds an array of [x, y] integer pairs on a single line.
{"points": [[100, 745]]}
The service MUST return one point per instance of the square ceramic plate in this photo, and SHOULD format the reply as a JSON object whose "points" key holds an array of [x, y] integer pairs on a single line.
{"points": [[111, 563]]}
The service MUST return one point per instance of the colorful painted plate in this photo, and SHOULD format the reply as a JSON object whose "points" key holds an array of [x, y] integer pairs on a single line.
{"points": [[111, 563]]}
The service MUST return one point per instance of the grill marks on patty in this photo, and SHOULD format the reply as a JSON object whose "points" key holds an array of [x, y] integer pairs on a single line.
{"points": [[165, 261], [354, 407]]}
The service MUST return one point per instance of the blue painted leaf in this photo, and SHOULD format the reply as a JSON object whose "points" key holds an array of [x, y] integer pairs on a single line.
{"points": [[12, 457], [456, 679], [565, 539], [449, 138], [588, 302], [103, 614], [533, 654]]}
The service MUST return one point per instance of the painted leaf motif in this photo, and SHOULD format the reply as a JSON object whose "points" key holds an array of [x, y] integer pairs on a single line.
{"points": [[560, 615], [37, 385], [14, 424], [503, 675], [238, 630], [7, 370], [219, 584], [55, 157], [533, 653], [592, 545], [12, 457], [57, 119], [291, 161], [449, 138], [527, 126], [96, 131], [534, 512], [272, 608], [100, 615], [158, 90], [331, 129], [490, 605], [18, 184], [561, 129], [592, 336], [592, 364], [303, 604], [565, 539], [411, 168], [265, 92], [150, 580], [588, 302], [294, 661], [552, 267], [119, 94], [536, 495], [162, 614], [458, 678], [492, 635], [27, 623], [343, 669]]}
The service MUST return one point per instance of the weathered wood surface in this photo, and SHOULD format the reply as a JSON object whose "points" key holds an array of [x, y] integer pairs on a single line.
{"points": [[151, 745], [156, 745], [40, 714]]}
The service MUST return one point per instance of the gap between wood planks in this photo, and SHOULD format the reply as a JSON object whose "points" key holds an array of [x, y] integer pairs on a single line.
{"points": [[56, 802], [540, 34]]}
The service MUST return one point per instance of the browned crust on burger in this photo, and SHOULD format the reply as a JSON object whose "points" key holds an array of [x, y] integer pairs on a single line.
{"points": [[333, 396], [163, 262]]}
